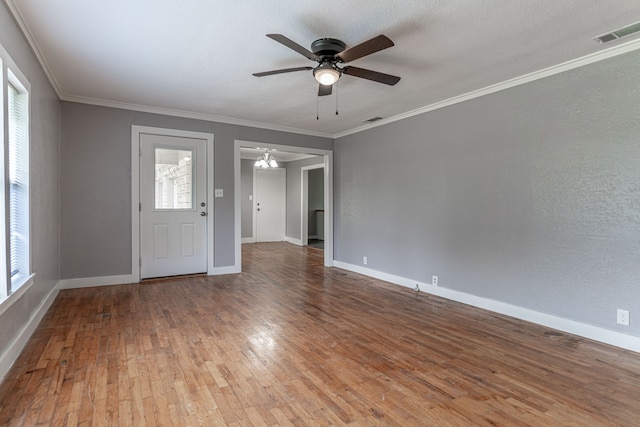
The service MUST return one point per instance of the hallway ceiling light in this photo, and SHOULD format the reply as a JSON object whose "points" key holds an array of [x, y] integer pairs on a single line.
{"points": [[266, 161]]}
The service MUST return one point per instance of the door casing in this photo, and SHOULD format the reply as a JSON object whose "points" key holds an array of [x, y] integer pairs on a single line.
{"points": [[304, 199], [136, 131], [328, 197], [173, 241]]}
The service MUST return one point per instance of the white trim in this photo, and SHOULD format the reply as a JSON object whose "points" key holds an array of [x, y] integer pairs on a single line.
{"points": [[15, 296], [211, 203], [517, 81], [13, 350], [536, 75], [328, 209], [293, 241], [231, 269], [190, 115], [328, 202], [601, 55], [248, 240], [138, 107], [595, 333], [90, 282], [304, 202], [26, 30], [136, 130], [237, 208], [254, 205]]}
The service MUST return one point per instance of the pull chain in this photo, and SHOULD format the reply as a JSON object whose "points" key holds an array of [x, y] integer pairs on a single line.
{"points": [[317, 108], [336, 85]]}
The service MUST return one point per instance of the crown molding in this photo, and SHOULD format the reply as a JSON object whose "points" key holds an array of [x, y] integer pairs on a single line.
{"points": [[611, 52], [34, 46], [191, 115], [517, 81]]}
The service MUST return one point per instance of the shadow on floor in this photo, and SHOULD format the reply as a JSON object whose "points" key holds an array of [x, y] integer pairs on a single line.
{"points": [[315, 243]]}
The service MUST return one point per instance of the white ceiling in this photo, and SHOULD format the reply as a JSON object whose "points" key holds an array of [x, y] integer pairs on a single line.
{"points": [[196, 58]]}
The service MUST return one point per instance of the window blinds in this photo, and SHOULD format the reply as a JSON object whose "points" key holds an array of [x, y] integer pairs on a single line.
{"points": [[18, 182]]}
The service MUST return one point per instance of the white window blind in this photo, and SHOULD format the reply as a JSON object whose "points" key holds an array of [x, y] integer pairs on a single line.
{"points": [[18, 185]]}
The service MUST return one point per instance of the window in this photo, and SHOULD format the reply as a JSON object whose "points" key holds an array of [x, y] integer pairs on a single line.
{"points": [[173, 183], [18, 154], [15, 268]]}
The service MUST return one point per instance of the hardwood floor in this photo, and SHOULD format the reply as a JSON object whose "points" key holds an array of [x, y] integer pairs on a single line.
{"points": [[290, 343]]}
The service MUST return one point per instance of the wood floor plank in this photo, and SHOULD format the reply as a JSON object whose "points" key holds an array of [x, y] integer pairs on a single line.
{"points": [[289, 342]]}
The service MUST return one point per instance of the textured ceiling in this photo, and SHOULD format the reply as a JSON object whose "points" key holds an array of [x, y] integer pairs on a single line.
{"points": [[197, 57]]}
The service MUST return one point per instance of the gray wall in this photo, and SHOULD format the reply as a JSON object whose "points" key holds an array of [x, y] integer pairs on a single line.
{"points": [[316, 198], [246, 189], [95, 161], [294, 221], [529, 196], [45, 188]]}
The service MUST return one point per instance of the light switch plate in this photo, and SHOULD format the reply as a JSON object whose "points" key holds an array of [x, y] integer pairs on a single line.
{"points": [[219, 192]]}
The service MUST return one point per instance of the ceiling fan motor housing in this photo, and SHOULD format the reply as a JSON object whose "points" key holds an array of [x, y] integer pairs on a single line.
{"points": [[327, 48]]}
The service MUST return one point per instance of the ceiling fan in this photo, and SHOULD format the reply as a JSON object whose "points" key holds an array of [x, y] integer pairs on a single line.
{"points": [[328, 53]]}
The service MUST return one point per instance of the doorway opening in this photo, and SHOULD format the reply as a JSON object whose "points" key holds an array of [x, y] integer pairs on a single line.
{"points": [[293, 160], [312, 209]]}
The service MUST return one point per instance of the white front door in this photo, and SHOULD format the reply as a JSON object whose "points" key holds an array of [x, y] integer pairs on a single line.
{"points": [[270, 196], [173, 195]]}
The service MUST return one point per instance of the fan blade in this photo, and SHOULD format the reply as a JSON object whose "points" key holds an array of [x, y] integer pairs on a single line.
{"points": [[365, 48], [324, 90], [375, 76], [293, 45], [284, 70]]}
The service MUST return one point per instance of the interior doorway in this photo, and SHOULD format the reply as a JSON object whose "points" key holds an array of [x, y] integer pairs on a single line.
{"points": [[243, 167], [312, 209]]}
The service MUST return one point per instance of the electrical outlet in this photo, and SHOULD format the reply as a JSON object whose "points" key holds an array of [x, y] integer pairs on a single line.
{"points": [[623, 317], [364, 260], [434, 280]]}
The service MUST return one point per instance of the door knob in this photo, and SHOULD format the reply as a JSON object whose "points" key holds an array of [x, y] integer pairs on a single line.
{"points": [[203, 214]]}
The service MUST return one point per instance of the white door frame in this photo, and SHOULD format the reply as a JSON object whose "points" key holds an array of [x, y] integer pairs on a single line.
{"points": [[135, 191], [328, 195], [255, 206], [304, 202]]}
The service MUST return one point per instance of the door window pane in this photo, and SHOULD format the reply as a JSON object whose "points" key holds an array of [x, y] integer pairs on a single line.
{"points": [[173, 179]]}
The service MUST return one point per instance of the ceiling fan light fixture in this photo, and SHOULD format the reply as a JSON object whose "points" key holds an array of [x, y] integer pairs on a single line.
{"points": [[326, 74]]}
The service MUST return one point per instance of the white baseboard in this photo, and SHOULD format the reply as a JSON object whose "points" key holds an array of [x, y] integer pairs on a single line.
{"points": [[89, 282], [248, 240], [231, 269], [595, 333], [293, 241], [8, 358]]}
